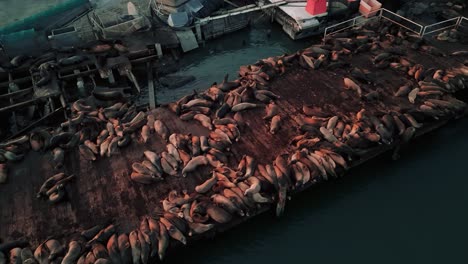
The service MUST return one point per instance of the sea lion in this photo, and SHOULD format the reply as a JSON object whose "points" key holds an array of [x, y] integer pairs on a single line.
{"points": [[167, 168], [55, 248], [136, 246], [204, 120], [170, 160], [332, 123], [271, 110], [218, 214], [125, 248], [3, 173], [197, 102], [113, 249], [226, 204], [254, 183], [103, 235], [87, 153], [161, 129], [408, 134], [27, 256], [350, 84], [73, 253], [145, 248], [58, 157], [145, 133], [41, 254], [412, 95], [222, 111], [173, 231], [275, 124], [199, 228], [412, 121], [224, 121], [163, 241], [102, 261], [328, 135], [243, 106], [207, 185]]}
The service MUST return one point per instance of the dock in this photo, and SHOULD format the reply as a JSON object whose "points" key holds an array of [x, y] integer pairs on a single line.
{"points": [[305, 86]]}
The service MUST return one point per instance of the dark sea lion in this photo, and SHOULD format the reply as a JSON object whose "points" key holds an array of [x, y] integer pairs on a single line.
{"points": [[173, 231], [163, 242], [136, 246], [102, 261], [113, 249], [55, 248], [73, 253], [145, 248], [124, 249], [218, 214], [103, 235]]}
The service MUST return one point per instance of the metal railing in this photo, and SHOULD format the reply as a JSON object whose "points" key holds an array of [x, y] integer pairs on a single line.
{"points": [[351, 23], [401, 21], [443, 25]]}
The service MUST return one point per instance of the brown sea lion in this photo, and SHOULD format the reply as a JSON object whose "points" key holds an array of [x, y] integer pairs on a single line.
{"points": [[136, 246], [161, 129], [173, 231], [73, 253], [275, 124], [113, 249]]}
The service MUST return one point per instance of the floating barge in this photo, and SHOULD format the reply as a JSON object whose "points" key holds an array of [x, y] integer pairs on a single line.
{"points": [[103, 188]]}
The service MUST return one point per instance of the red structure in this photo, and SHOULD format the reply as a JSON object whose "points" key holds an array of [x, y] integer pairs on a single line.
{"points": [[316, 7]]}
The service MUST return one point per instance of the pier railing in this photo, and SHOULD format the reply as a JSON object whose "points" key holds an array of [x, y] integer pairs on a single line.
{"points": [[399, 20], [443, 25]]}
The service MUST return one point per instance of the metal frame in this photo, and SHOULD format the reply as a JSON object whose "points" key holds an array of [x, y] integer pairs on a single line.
{"points": [[421, 27], [427, 31], [423, 30]]}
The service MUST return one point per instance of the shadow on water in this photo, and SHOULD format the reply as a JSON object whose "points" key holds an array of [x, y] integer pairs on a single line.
{"points": [[408, 211]]}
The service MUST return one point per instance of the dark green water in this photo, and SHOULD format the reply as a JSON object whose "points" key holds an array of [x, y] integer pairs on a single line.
{"points": [[414, 210]]}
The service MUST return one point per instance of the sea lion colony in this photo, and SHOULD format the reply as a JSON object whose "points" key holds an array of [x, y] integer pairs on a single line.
{"points": [[326, 146]]}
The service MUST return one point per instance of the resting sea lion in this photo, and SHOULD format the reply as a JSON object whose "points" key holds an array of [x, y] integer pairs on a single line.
{"points": [[73, 253], [173, 231], [275, 124], [136, 247], [125, 249], [161, 129], [163, 241], [218, 214], [55, 248], [204, 120]]}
